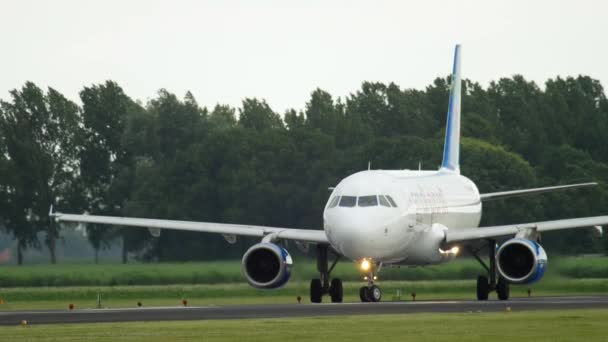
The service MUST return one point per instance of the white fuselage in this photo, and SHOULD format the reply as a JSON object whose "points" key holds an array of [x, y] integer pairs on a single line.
{"points": [[410, 233]]}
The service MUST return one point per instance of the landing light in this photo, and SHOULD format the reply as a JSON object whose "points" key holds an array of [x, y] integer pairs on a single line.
{"points": [[365, 265], [453, 251]]}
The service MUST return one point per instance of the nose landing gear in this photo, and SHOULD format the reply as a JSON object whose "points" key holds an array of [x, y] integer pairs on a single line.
{"points": [[371, 292]]}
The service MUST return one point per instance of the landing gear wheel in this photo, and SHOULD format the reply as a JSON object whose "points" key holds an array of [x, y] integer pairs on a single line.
{"points": [[336, 291], [316, 291], [483, 288], [374, 294], [363, 294], [502, 289]]}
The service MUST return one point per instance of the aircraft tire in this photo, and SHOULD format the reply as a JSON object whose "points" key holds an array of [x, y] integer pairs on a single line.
{"points": [[502, 289], [336, 291], [363, 294], [316, 291], [483, 288], [374, 294]]}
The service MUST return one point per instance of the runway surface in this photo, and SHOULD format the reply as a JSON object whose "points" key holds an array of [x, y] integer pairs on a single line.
{"points": [[297, 310]]}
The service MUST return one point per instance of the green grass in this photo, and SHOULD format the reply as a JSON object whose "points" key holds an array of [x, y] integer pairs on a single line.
{"points": [[221, 283], [26, 298], [571, 325], [222, 272]]}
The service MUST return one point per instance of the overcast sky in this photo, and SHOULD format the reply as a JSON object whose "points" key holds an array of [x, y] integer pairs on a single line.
{"points": [[279, 50]]}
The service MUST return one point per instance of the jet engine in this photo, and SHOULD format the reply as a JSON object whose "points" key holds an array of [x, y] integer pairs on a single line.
{"points": [[266, 266], [521, 261]]}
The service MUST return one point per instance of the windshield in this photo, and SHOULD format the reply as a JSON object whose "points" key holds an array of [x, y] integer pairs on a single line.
{"points": [[368, 201], [334, 202], [362, 201], [348, 201], [384, 201], [390, 199]]}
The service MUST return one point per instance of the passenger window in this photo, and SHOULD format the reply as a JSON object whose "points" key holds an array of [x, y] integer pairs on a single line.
{"points": [[384, 201], [334, 202], [390, 199], [368, 201], [348, 201]]}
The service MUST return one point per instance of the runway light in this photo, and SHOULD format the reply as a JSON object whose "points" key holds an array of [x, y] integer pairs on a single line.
{"points": [[375, 278], [365, 278], [455, 250], [365, 265]]}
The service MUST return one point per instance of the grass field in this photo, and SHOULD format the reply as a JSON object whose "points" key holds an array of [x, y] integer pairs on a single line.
{"points": [[201, 283], [572, 325], [222, 272], [172, 295]]}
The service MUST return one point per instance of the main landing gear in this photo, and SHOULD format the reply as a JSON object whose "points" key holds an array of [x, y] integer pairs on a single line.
{"points": [[322, 285], [488, 283]]}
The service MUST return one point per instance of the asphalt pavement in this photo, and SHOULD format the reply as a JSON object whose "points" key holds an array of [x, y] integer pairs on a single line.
{"points": [[297, 310]]}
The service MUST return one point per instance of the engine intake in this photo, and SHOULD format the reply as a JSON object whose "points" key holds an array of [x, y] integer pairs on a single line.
{"points": [[266, 266], [521, 261]]}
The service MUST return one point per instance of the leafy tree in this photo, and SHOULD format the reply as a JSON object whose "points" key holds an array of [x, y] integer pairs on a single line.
{"points": [[222, 117], [105, 163], [258, 115], [41, 137]]}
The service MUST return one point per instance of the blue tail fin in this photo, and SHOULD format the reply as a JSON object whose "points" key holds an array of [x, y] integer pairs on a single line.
{"points": [[451, 149]]}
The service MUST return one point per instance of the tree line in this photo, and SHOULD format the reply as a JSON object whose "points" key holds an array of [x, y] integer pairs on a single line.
{"points": [[171, 158]]}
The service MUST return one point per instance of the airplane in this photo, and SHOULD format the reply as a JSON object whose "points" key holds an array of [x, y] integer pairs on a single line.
{"points": [[381, 218]]}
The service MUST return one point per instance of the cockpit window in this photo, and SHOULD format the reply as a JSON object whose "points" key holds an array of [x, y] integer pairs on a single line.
{"points": [[368, 201], [348, 201], [384, 201], [390, 199], [334, 202]]}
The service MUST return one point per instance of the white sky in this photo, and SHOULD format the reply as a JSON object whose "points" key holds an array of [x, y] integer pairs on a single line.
{"points": [[280, 50]]}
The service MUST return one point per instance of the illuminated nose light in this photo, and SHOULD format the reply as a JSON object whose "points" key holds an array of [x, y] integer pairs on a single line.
{"points": [[365, 265], [453, 251]]}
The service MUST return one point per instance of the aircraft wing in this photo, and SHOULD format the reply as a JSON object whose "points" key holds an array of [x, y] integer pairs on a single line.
{"points": [[523, 192], [154, 225], [468, 234]]}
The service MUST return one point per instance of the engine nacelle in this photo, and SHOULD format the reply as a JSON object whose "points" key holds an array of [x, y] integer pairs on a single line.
{"points": [[266, 266], [521, 261]]}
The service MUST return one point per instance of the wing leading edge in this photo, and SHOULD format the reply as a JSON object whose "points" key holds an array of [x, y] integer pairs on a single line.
{"points": [[306, 235], [469, 234], [523, 192]]}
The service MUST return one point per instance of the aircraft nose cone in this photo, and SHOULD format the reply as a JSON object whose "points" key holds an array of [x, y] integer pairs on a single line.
{"points": [[354, 235]]}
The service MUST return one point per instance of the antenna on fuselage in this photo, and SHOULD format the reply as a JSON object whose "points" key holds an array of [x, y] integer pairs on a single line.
{"points": [[419, 166], [369, 165]]}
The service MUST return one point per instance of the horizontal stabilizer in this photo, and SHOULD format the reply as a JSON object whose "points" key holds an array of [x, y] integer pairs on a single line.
{"points": [[523, 192]]}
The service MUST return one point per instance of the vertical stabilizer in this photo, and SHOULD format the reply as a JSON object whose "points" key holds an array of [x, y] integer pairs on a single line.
{"points": [[451, 149]]}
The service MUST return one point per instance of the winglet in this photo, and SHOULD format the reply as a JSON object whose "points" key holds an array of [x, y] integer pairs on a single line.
{"points": [[54, 214], [451, 149]]}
